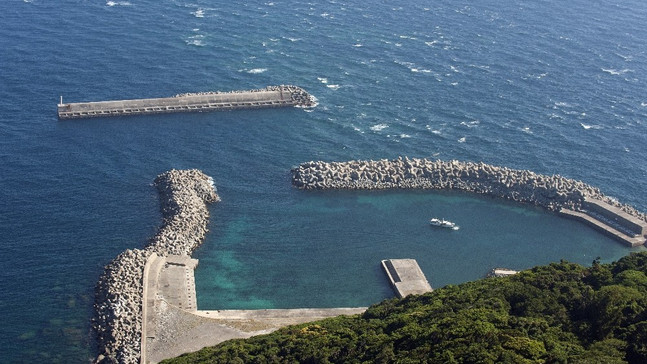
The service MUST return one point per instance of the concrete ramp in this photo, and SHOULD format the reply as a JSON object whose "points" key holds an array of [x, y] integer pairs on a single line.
{"points": [[406, 277]]}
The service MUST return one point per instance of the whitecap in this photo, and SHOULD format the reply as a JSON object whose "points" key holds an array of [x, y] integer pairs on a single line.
{"points": [[195, 40], [257, 70], [563, 104], [616, 72], [471, 124], [431, 43], [454, 83], [461, 140], [198, 13], [378, 127], [437, 132], [526, 130], [334, 87], [118, 3], [357, 45], [587, 127], [643, 104], [322, 79], [404, 136]]}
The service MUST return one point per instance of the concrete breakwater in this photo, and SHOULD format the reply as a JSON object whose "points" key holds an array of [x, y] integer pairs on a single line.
{"points": [[117, 322], [271, 96], [551, 192]]}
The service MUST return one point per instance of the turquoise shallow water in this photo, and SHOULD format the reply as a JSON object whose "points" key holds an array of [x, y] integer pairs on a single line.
{"points": [[551, 87]]}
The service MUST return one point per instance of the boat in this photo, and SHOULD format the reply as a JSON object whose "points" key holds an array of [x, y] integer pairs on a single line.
{"points": [[501, 272], [443, 223]]}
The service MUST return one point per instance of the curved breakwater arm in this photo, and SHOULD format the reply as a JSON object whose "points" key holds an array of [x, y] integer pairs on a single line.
{"points": [[551, 192]]}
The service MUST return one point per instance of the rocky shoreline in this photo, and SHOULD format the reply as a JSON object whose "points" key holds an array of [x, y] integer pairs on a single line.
{"points": [[117, 323], [551, 192]]}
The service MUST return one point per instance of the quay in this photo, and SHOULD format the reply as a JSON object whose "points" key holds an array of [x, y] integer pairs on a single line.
{"points": [[406, 277], [172, 325], [611, 221], [269, 97]]}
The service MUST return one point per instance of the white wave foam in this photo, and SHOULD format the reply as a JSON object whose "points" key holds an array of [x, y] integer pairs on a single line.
{"points": [[526, 130], [562, 104], [437, 132], [322, 79], [587, 127], [357, 45], [405, 136], [616, 72], [431, 43], [461, 140], [334, 87], [118, 3], [378, 127], [256, 70], [198, 13], [643, 104], [471, 124], [195, 40]]}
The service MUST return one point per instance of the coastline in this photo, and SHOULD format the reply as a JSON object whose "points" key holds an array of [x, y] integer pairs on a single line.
{"points": [[117, 323]]}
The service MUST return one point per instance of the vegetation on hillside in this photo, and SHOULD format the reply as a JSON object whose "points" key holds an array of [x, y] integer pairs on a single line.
{"points": [[559, 313]]}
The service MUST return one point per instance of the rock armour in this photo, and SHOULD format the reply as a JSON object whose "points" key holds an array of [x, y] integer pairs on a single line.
{"points": [[551, 192], [184, 196]]}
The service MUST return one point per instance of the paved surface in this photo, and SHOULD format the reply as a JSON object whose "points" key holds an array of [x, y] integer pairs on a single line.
{"points": [[406, 277], [599, 225], [192, 103], [173, 326]]}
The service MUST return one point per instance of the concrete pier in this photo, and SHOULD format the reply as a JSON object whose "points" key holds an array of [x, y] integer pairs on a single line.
{"points": [[406, 277], [272, 96], [172, 325]]}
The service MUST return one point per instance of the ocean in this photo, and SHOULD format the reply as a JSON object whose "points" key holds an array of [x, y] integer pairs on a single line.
{"points": [[554, 87]]}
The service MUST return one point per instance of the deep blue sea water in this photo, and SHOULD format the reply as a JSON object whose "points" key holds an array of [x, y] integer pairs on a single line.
{"points": [[555, 87]]}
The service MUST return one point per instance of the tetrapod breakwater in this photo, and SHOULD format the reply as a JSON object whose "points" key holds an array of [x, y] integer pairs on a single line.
{"points": [[269, 97], [117, 321], [555, 193]]}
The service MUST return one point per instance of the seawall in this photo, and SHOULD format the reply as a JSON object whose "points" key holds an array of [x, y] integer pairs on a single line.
{"points": [[555, 193], [271, 96], [117, 322]]}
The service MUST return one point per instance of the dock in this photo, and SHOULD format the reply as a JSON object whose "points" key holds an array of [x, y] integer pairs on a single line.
{"points": [[173, 325], [406, 277], [611, 221], [269, 97]]}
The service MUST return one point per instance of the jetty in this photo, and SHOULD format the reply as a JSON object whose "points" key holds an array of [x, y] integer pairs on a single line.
{"points": [[611, 221], [269, 97], [406, 277]]}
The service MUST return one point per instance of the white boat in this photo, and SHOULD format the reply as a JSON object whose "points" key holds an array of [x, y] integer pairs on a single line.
{"points": [[443, 223]]}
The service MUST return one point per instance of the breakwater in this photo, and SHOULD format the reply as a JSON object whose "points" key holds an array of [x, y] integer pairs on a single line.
{"points": [[117, 323], [271, 96], [555, 193]]}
